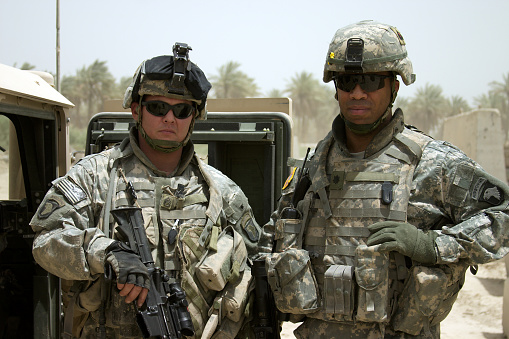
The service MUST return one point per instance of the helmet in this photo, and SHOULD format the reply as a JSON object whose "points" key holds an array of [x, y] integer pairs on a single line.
{"points": [[170, 76], [368, 46]]}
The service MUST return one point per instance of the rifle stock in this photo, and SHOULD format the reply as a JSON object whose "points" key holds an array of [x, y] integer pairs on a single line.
{"points": [[164, 313], [266, 322]]}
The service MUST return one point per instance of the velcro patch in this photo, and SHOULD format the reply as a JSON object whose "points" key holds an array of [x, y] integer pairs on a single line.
{"points": [[485, 191], [50, 206], [290, 178], [71, 191]]}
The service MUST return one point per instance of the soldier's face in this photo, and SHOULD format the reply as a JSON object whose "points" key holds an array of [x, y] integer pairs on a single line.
{"points": [[361, 107], [166, 127]]}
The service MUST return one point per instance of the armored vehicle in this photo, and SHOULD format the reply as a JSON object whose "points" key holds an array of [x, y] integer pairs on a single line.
{"points": [[37, 153]]}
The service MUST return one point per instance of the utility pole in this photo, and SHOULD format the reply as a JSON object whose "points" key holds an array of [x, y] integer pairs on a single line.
{"points": [[58, 46]]}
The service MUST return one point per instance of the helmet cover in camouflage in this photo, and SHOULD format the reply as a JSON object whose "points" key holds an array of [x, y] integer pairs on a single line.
{"points": [[383, 50], [154, 77]]}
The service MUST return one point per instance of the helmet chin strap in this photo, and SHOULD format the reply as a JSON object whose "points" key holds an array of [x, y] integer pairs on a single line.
{"points": [[367, 128], [166, 146]]}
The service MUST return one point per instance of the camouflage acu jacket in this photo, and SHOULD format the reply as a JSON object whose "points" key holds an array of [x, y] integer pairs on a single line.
{"points": [[70, 240], [448, 193]]}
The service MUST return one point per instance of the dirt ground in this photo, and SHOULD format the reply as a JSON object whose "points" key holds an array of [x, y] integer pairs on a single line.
{"points": [[477, 314]]}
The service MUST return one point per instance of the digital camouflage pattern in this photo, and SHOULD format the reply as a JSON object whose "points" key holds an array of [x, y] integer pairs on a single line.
{"points": [[435, 187], [194, 78], [69, 225], [384, 50], [292, 281]]}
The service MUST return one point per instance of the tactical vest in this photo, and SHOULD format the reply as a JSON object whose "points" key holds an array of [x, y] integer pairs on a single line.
{"points": [[184, 219], [345, 196]]}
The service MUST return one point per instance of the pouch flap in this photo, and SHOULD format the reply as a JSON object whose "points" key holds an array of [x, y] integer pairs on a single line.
{"points": [[287, 264], [371, 266]]}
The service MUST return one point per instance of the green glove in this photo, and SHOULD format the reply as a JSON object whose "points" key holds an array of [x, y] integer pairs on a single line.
{"points": [[405, 239]]}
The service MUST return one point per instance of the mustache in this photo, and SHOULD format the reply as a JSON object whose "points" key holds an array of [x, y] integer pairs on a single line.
{"points": [[357, 103]]}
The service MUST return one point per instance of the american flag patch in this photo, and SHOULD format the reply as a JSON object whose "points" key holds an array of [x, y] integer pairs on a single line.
{"points": [[71, 191]]}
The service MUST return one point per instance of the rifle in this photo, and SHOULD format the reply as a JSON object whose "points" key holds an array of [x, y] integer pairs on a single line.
{"points": [[266, 320], [164, 313]]}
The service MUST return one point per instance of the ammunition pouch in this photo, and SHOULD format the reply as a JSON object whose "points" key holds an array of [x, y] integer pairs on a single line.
{"points": [[224, 261], [428, 297], [292, 281], [372, 277], [359, 292], [339, 291], [236, 296]]}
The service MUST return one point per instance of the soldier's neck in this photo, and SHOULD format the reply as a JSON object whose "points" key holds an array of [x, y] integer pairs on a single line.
{"points": [[165, 162], [359, 142]]}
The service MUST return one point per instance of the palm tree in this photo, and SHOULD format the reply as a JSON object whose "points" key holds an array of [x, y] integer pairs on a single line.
{"points": [[314, 106], [98, 85], [71, 89], [427, 108], [27, 66], [501, 87], [401, 102], [275, 93], [233, 83], [457, 105], [121, 87], [87, 90]]}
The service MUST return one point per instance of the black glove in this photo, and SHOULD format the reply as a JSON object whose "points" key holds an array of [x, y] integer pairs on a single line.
{"points": [[405, 239], [126, 265]]}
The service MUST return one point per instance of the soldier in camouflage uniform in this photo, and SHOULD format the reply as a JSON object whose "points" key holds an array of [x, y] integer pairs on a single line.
{"points": [[191, 211], [375, 230]]}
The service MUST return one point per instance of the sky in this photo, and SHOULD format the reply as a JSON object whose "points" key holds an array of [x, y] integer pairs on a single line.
{"points": [[461, 45]]}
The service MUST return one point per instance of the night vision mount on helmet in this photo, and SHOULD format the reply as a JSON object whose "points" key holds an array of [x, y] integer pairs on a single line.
{"points": [[173, 77], [170, 76]]}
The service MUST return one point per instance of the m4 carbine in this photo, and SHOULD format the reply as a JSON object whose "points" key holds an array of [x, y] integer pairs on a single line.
{"points": [[164, 313]]}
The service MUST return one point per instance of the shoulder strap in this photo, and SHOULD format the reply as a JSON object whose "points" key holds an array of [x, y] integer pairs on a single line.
{"points": [[109, 198]]}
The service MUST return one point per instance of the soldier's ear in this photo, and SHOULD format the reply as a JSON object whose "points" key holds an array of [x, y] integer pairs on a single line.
{"points": [[135, 110]]}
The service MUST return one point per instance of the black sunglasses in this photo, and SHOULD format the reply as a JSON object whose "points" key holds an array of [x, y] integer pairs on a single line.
{"points": [[368, 82], [161, 108]]}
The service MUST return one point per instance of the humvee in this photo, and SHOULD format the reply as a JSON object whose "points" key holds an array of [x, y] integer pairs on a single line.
{"points": [[38, 153], [247, 139]]}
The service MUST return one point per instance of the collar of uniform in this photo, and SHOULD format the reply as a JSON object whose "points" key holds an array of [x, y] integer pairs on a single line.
{"points": [[384, 137], [187, 155], [186, 158]]}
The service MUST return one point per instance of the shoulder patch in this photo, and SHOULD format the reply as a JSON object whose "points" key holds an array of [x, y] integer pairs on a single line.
{"points": [[485, 191], [70, 190], [50, 206], [290, 178]]}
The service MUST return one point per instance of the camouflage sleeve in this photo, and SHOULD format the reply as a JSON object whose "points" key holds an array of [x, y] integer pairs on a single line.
{"points": [[465, 205], [267, 238], [67, 241]]}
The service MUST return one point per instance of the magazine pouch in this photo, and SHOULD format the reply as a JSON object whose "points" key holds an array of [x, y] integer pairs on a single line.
{"points": [[420, 300], [372, 276], [338, 291], [292, 281]]}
